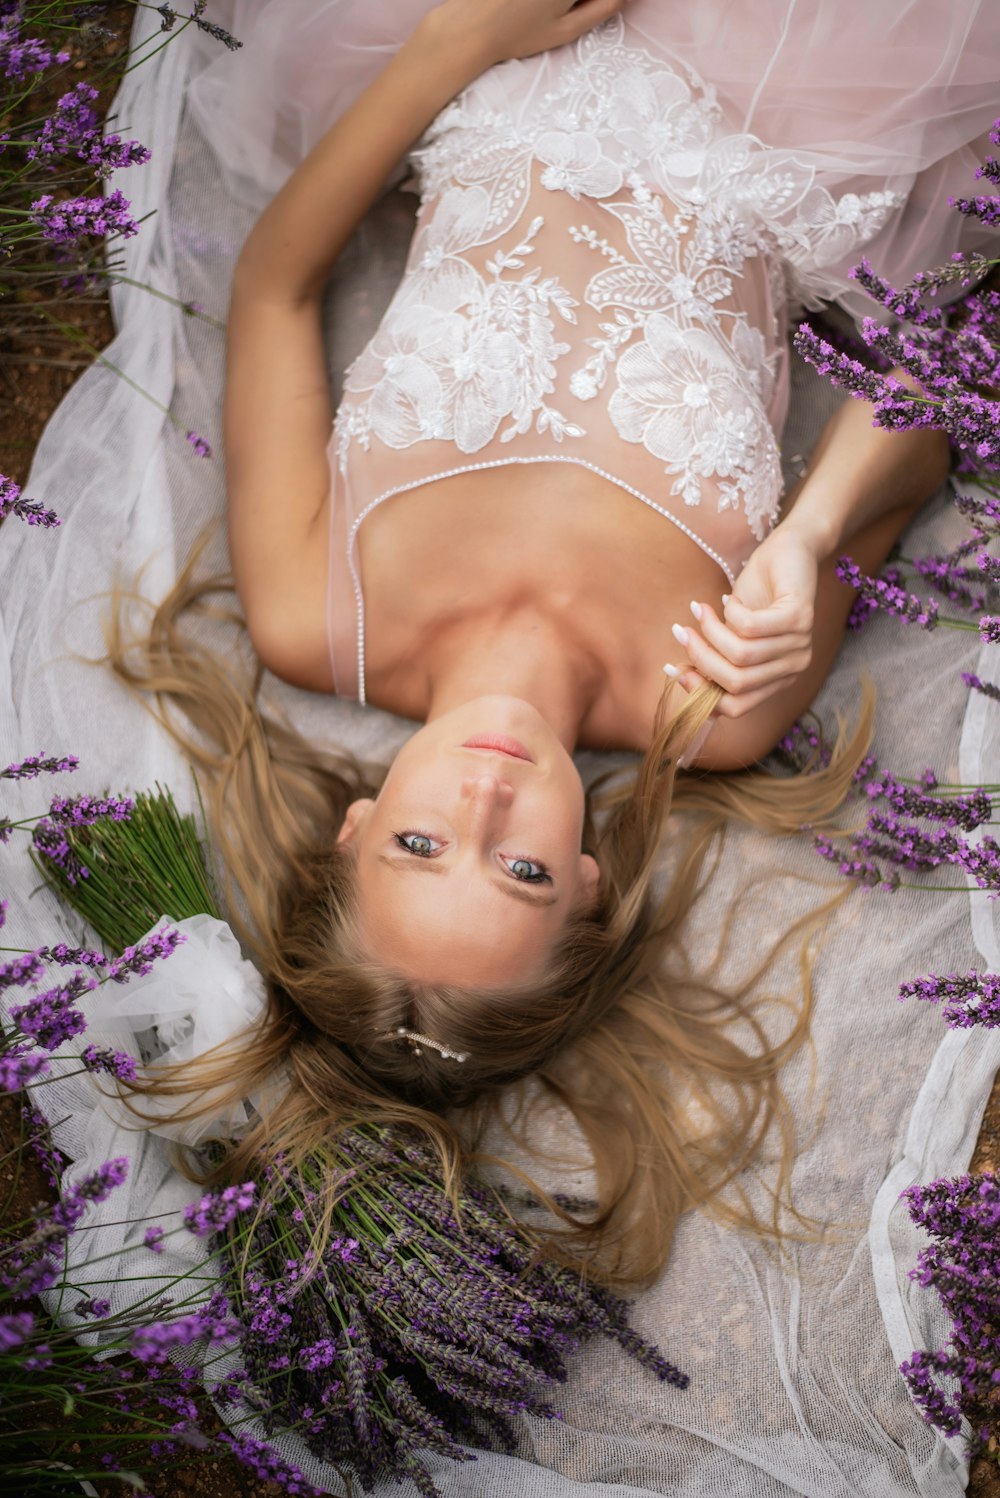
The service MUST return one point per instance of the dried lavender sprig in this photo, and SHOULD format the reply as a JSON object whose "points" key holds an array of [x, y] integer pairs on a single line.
{"points": [[29, 510], [889, 597], [971, 999], [40, 764]]}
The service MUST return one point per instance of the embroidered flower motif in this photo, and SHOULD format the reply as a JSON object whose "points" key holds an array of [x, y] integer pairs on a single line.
{"points": [[679, 395], [576, 164], [657, 120]]}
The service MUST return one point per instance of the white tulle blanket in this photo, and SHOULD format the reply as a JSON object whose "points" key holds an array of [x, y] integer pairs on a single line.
{"points": [[794, 1388]]}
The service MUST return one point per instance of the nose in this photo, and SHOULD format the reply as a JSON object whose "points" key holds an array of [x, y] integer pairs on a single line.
{"points": [[485, 794]]}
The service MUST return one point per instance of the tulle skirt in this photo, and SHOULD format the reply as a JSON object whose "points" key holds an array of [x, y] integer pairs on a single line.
{"points": [[896, 97]]}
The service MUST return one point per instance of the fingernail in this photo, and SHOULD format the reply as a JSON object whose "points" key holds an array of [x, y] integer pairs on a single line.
{"points": [[671, 671], [725, 599], [679, 633], [696, 610]]}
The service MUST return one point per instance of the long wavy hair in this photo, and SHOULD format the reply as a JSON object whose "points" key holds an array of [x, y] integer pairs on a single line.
{"points": [[620, 1033]]}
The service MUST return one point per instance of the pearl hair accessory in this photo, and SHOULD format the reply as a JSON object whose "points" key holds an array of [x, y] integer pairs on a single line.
{"points": [[417, 1040]]}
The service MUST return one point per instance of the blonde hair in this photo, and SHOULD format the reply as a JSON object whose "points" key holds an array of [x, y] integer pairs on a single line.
{"points": [[612, 1035]]}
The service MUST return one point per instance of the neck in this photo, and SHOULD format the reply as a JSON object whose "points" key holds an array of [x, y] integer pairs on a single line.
{"points": [[527, 657]]}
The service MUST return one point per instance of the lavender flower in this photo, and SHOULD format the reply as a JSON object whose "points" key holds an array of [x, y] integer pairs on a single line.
{"points": [[213, 1323], [28, 510], [989, 629], [199, 444], [970, 1000], [218, 32], [96, 1187], [74, 219], [39, 764], [138, 960], [215, 1212], [50, 1018], [988, 688], [986, 209], [963, 1266], [267, 1464], [75, 129], [84, 811], [887, 595], [841, 370], [15, 1329], [26, 969], [968, 810], [862, 870], [17, 57], [116, 1063], [18, 1068], [98, 1309], [153, 1239]]}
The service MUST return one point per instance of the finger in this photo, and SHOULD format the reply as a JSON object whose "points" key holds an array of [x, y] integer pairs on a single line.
{"points": [[738, 707], [684, 676], [584, 15], [742, 652], [786, 616], [734, 679]]}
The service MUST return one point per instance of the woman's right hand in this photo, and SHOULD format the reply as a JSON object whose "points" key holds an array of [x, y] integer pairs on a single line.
{"points": [[493, 31]]}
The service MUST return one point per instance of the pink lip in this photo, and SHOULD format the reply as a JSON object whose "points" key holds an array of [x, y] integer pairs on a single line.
{"points": [[499, 743]]}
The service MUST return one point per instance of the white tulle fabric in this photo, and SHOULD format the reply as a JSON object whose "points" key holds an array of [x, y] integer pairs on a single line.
{"points": [[794, 1388]]}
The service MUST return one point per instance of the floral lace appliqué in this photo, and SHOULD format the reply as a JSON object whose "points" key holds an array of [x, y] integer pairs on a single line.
{"points": [[672, 206]]}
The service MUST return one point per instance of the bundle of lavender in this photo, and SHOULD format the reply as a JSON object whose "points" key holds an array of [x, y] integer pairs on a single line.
{"points": [[378, 1315], [408, 1326]]}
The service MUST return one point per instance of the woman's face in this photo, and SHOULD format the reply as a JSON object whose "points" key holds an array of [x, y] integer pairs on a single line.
{"points": [[469, 862]]}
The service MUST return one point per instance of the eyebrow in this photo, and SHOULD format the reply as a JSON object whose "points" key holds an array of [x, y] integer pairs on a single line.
{"points": [[506, 886]]}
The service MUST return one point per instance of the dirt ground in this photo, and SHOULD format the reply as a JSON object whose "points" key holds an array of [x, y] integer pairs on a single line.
{"points": [[33, 380]]}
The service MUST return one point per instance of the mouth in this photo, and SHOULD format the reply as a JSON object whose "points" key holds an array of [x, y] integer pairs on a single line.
{"points": [[499, 743]]}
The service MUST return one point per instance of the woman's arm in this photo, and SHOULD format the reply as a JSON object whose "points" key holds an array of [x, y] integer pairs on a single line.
{"points": [[859, 474], [277, 410]]}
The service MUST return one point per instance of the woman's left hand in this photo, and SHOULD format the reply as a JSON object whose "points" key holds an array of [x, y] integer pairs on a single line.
{"points": [[763, 638]]}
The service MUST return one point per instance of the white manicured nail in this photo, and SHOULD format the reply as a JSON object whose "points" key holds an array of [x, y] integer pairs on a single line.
{"points": [[696, 610], [672, 671], [679, 633], [725, 599]]}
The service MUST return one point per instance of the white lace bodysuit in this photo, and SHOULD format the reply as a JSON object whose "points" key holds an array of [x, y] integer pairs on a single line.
{"points": [[600, 275]]}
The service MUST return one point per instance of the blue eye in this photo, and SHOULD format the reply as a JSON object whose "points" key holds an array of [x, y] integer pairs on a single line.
{"points": [[528, 871], [417, 843]]}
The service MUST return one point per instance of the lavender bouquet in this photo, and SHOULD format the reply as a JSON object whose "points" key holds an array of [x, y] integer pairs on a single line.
{"points": [[404, 1320]]}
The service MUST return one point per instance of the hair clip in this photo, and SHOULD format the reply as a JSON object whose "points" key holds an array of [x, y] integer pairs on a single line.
{"points": [[414, 1037]]}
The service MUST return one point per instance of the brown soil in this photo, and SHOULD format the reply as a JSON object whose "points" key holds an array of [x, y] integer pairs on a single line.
{"points": [[33, 380]]}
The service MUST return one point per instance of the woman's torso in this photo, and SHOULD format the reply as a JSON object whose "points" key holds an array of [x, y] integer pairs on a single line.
{"points": [[598, 285]]}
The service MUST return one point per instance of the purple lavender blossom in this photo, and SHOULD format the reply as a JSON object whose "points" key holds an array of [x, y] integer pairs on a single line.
{"points": [[989, 629], [866, 873], [988, 688], [40, 764], [50, 1018], [843, 371], [15, 1329], [153, 1239], [28, 510], [26, 969], [74, 129], [972, 999], [154, 1342], [84, 811], [20, 57], [211, 29], [69, 221], [267, 1464], [864, 607], [951, 579], [98, 1309], [199, 444], [137, 961], [887, 595], [115, 1063], [216, 1211], [963, 1266], [96, 1187], [985, 208], [18, 1068], [968, 810]]}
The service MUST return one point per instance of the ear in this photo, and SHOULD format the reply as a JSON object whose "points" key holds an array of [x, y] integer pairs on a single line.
{"points": [[355, 814], [590, 878]]}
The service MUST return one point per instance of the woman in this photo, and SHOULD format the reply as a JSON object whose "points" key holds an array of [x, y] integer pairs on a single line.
{"points": [[593, 313]]}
